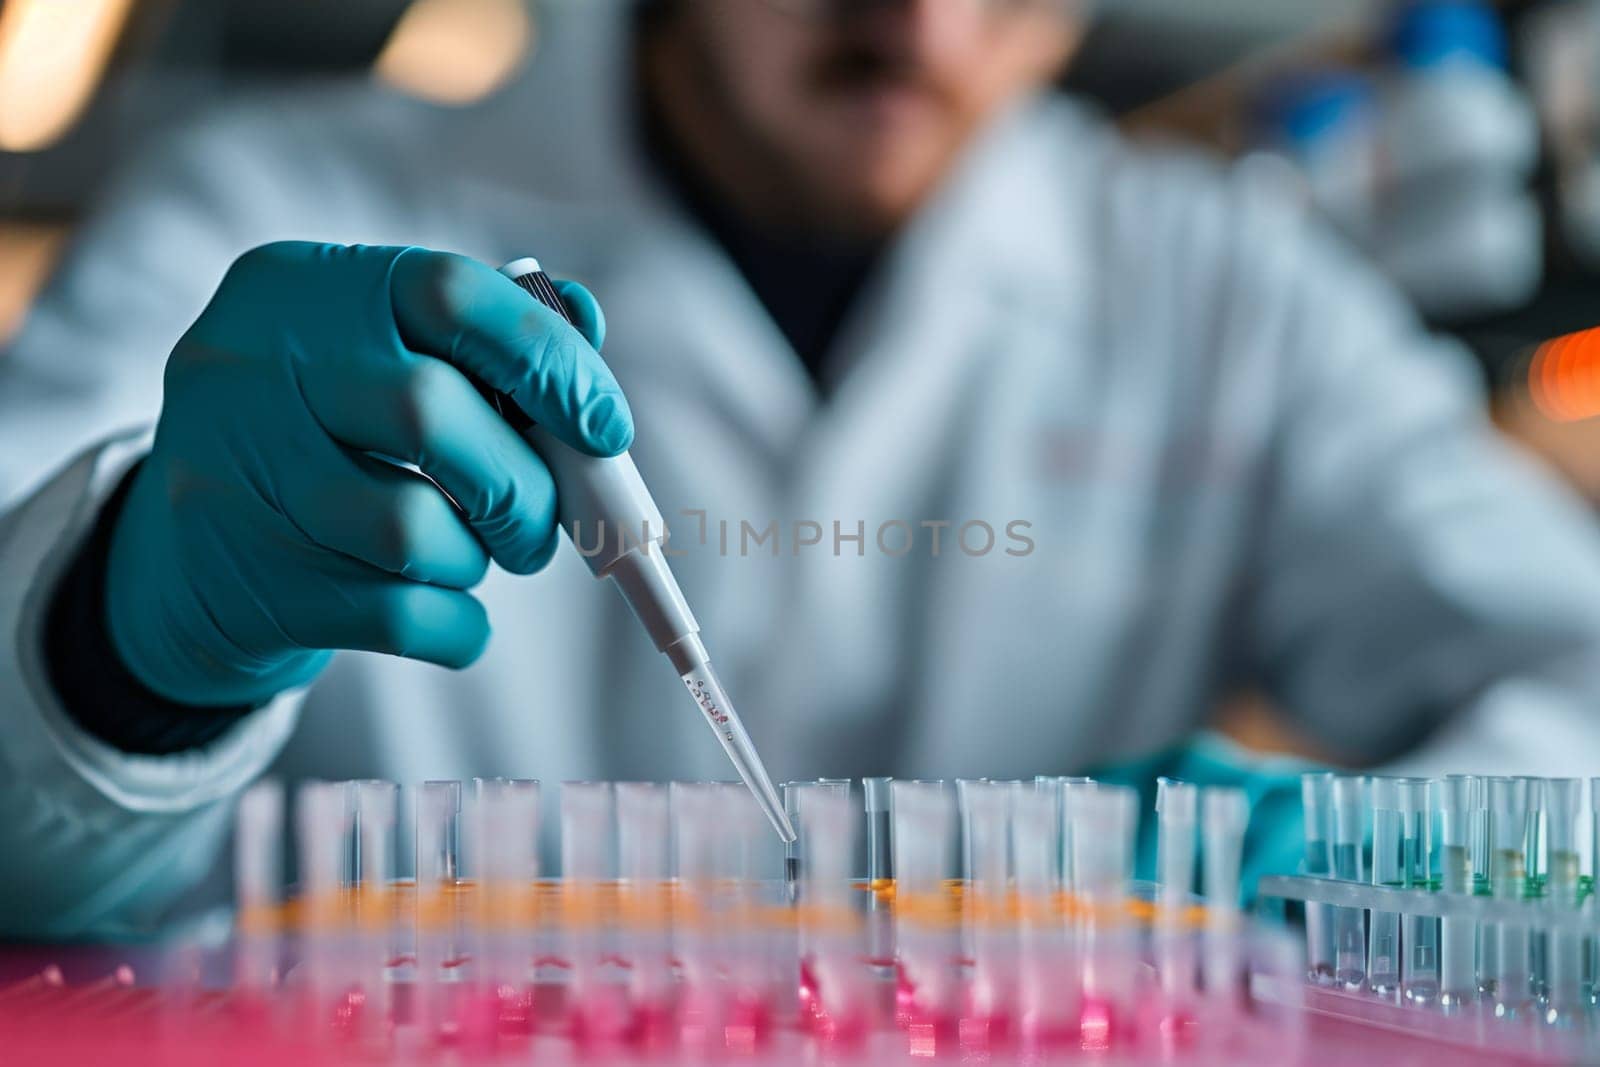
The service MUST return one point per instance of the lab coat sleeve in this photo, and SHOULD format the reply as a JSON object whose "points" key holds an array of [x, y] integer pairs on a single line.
{"points": [[1413, 567], [95, 842]]}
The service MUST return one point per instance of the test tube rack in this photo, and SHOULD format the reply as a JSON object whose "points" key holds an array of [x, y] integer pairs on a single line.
{"points": [[997, 921], [1453, 908]]}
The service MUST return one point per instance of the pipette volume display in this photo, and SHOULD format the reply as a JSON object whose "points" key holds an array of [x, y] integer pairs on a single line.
{"points": [[606, 497]]}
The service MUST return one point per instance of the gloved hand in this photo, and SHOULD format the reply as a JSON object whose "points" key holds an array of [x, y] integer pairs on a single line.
{"points": [[1274, 840], [261, 532]]}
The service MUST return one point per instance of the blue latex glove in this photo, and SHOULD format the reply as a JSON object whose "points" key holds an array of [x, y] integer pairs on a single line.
{"points": [[262, 532], [1274, 840]]}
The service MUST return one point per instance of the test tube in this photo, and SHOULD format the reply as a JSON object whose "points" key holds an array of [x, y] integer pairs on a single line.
{"points": [[986, 809], [1454, 797], [1316, 796], [1594, 896], [1388, 869], [322, 822], [439, 940], [1508, 979], [837, 989], [1177, 816], [880, 853], [1224, 817], [1070, 787], [924, 824], [508, 865], [644, 835], [644, 832], [258, 884], [1105, 823], [376, 804], [1048, 1003], [791, 849], [588, 836], [1534, 865], [1533, 834], [1035, 840], [1419, 970], [1349, 838], [878, 802], [1565, 1001]]}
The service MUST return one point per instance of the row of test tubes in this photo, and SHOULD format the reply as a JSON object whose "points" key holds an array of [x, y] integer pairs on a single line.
{"points": [[992, 917], [1493, 915]]}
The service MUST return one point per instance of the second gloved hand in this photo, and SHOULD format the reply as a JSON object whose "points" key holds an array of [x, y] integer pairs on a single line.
{"points": [[262, 531]]}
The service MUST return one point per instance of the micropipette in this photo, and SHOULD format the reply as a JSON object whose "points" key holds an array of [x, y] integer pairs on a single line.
{"points": [[607, 496]]}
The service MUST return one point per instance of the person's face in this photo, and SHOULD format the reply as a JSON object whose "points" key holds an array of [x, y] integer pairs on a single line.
{"points": [[862, 105]]}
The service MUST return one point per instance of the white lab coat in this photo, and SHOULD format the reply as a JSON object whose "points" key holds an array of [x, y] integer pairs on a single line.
{"points": [[1239, 456]]}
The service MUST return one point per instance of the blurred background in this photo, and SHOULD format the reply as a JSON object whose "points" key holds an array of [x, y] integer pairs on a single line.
{"points": [[1458, 143]]}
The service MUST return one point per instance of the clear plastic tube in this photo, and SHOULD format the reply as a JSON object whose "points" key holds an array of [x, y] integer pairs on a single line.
{"points": [[1455, 798], [878, 801], [1316, 796], [258, 852], [322, 821], [1388, 869], [1349, 838], [1035, 837], [1419, 972], [1508, 979], [925, 820], [1048, 1002], [440, 940], [1594, 874], [1177, 819], [924, 824], [322, 832], [377, 804], [644, 863], [1105, 823], [986, 811], [588, 832], [880, 836], [1224, 817], [258, 885], [1563, 952], [837, 989]]}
